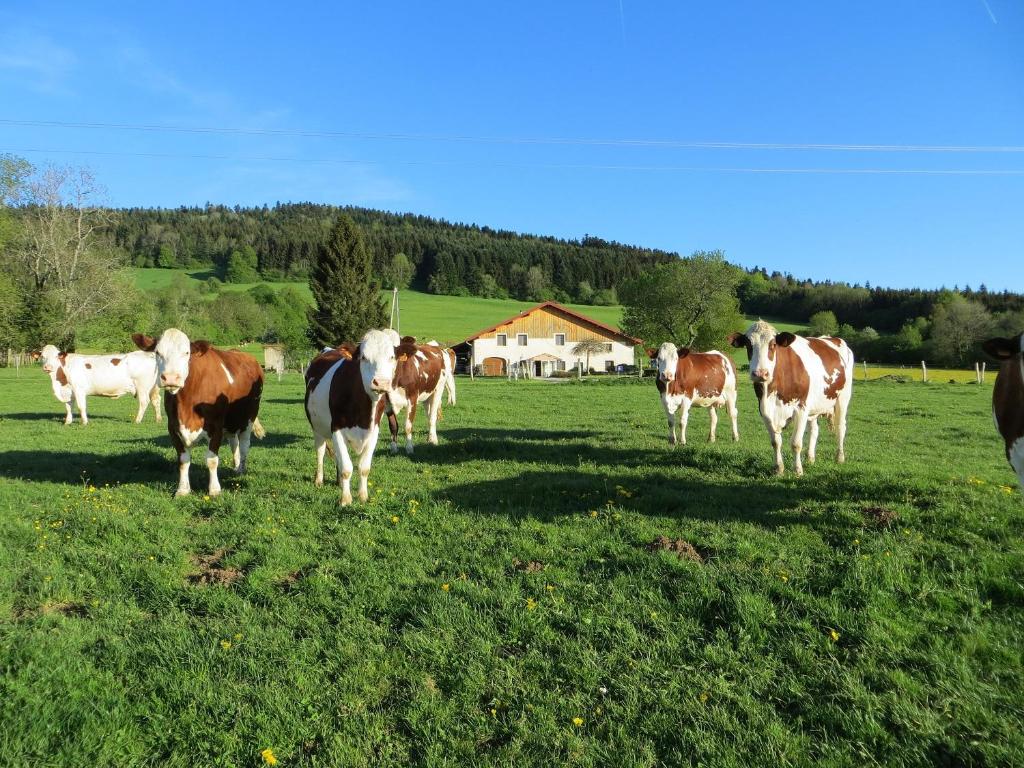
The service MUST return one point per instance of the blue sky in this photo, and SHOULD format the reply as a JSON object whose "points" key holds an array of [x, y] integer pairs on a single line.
{"points": [[450, 109]]}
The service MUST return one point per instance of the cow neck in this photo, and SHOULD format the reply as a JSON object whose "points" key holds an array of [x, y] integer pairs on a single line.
{"points": [[790, 382]]}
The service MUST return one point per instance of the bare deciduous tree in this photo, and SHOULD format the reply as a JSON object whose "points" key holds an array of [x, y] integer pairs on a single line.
{"points": [[588, 347]]}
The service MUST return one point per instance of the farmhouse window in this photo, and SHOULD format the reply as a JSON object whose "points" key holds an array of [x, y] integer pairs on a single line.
{"points": [[608, 347], [522, 339], [609, 366], [502, 339], [559, 339], [560, 365]]}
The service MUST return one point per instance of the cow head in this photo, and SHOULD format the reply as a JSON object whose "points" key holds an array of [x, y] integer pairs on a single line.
{"points": [[174, 352], [667, 356], [1004, 349], [51, 357], [761, 342], [377, 360]]}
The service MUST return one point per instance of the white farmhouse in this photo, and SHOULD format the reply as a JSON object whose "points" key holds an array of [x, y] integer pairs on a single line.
{"points": [[541, 340]]}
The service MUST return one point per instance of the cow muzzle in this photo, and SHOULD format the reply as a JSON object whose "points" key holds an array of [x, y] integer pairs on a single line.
{"points": [[47, 369], [760, 376], [170, 381], [380, 385]]}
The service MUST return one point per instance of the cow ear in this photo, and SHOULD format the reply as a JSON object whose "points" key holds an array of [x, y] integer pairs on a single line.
{"points": [[652, 353], [999, 348], [683, 351], [143, 342], [401, 353], [739, 340], [200, 348], [785, 338], [35, 355], [408, 339]]}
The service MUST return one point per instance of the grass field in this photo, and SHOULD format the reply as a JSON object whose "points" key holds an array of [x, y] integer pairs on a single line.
{"points": [[496, 602]]}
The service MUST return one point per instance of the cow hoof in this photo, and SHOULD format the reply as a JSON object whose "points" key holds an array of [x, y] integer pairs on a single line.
{"points": [[318, 482], [840, 459], [364, 497], [179, 493], [394, 449], [345, 501], [780, 471]]}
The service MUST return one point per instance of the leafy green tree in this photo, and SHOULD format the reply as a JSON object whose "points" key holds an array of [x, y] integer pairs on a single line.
{"points": [[241, 266], [691, 302], [400, 272], [10, 313], [584, 292], [957, 326], [823, 323], [289, 324], [347, 298]]}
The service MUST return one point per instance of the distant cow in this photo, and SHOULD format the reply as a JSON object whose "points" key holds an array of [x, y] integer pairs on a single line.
{"points": [[1008, 397], [345, 399], [423, 374], [799, 379], [208, 391], [685, 379], [78, 376]]}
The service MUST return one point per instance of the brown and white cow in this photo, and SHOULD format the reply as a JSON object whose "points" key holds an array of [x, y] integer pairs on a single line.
{"points": [[345, 399], [75, 377], [207, 391], [1008, 398], [686, 378], [798, 379], [423, 374]]}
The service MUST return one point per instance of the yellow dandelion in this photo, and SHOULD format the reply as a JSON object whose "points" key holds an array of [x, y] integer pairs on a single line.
{"points": [[577, 721], [550, 587], [494, 712], [530, 603], [704, 696], [206, 498], [395, 519], [268, 756], [238, 636], [151, 557], [225, 644], [834, 635], [593, 513], [654, 614], [446, 587]]}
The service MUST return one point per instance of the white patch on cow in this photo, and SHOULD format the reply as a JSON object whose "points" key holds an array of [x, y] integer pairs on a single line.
{"points": [[231, 379], [377, 362], [420, 355], [188, 436], [173, 352], [1017, 459], [212, 462]]}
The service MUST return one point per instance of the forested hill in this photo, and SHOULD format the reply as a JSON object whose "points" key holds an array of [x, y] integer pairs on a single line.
{"points": [[439, 256]]}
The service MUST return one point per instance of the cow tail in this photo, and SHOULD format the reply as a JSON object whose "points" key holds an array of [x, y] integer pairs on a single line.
{"points": [[257, 429], [449, 385]]}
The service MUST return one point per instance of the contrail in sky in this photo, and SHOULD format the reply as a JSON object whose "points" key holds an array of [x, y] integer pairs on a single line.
{"points": [[983, 2]]}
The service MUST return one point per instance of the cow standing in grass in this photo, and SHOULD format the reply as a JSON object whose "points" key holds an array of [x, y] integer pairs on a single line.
{"points": [[423, 374], [75, 377], [1008, 398], [345, 399], [208, 391], [685, 379], [798, 379]]}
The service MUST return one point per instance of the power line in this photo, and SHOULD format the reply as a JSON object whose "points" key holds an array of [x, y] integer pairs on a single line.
{"points": [[536, 166], [561, 141]]}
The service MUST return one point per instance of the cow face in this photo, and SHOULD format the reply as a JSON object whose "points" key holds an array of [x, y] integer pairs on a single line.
{"points": [[1004, 349], [762, 342], [51, 358], [377, 361], [174, 352], [668, 359]]}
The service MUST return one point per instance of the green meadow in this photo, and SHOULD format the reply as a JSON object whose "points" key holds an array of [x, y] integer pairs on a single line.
{"points": [[551, 585]]}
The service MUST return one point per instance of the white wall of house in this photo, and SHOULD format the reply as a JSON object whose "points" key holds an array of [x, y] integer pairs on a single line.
{"points": [[514, 351]]}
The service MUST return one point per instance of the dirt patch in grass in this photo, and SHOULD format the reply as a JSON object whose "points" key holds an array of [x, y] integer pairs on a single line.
{"points": [[531, 566], [880, 517], [211, 570], [683, 549], [292, 580], [64, 608]]}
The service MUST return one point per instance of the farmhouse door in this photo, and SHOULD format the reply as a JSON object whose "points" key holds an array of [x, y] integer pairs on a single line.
{"points": [[494, 366]]}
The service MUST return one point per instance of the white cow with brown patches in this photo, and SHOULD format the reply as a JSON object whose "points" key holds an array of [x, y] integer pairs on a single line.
{"points": [[704, 379], [798, 379], [422, 374], [76, 377]]}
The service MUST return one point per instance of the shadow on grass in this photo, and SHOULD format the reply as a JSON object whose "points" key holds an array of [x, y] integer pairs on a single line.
{"points": [[59, 417], [142, 466]]}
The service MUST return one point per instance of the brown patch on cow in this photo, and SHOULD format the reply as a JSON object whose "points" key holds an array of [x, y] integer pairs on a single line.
{"points": [[835, 369], [698, 374], [61, 376], [210, 403], [211, 570], [530, 566], [115, 361], [1008, 393], [88, 366], [790, 383], [881, 517], [349, 404], [684, 550]]}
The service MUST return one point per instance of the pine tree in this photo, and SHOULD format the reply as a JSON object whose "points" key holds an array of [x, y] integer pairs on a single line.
{"points": [[347, 299]]}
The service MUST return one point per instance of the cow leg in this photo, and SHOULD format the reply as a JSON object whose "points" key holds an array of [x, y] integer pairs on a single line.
{"points": [[143, 404], [393, 427], [184, 462], [410, 414], [671, 418], [68, 416], [344, 467], [365, 459], [799, 425], [154, 400], [840, 423], [213, 461], [714, 423], [812, 441], [320, 445], [236, 454], [776, 438], [1017, 459], [684, 419], [433, 413], [733, 414], [80, 402]]}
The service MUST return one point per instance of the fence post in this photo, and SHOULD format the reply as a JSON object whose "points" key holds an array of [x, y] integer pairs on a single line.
{"points": [[983, 364], [924, 372], [977, 374], [865, 362]]}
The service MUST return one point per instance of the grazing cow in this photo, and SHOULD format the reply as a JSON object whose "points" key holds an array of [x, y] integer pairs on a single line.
{"points": [[1008, 398], [208, 391], [78, 376], [686, 378], [799, 379], [345, 399], [423, 373]]}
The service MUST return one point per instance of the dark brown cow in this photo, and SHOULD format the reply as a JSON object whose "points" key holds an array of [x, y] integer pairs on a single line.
{"points": [[345, 398], [1008, 398], [207, 391], [686, 378], [423, 373], [798, 379]]}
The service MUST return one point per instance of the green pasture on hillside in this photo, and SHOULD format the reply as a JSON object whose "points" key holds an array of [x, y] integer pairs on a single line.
{"points": [[503, 599]]}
